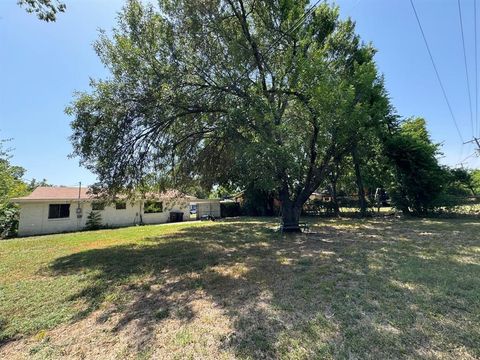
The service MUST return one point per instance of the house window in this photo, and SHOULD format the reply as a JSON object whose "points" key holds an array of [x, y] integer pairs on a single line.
{"points": [[58, 211], [152, 207], [120, 205], [98, 205]]}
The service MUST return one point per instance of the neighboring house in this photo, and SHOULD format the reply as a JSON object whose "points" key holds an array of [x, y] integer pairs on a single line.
{"points": [[60, 209]]}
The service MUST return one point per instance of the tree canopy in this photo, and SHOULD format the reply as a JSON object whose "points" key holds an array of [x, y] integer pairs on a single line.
{"points": [[45, 10], [227, 91], [419, 177]]}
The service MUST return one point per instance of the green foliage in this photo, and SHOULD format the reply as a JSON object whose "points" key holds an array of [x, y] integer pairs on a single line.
{"points": [[11, 185], [94, 221], [420, 180], [45, 10], [459, 192], [221, 192], [258, 202], [475, 176], [461, 182], [34, 183], [196, 190], [215, 91], [230, 209], [8, 220], [153, 207], [446, 201]]}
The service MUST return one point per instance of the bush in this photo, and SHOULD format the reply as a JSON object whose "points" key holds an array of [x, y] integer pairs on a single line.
{"points": [[258, 202], [9, 215], [230, 209], [448, 200], [94, 221]]}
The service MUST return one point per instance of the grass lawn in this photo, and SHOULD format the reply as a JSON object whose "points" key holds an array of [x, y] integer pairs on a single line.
{"points": [[352, 289]]}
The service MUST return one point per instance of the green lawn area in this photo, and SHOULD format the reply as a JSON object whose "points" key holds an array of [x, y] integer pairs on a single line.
{"points": [[351, 289]]}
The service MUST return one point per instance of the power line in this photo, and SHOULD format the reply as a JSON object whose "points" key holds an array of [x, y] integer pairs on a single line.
{"points": [[466, 67], [436, 71], [461, 153], [468, 157], [299, 22]]}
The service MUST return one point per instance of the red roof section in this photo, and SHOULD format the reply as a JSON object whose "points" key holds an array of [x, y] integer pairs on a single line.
{"points": [[56, 193], [71, 193]]}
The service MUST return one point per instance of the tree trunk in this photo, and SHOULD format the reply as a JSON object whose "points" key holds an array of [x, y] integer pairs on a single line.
{"points": [[290, 217], [361, 191]]}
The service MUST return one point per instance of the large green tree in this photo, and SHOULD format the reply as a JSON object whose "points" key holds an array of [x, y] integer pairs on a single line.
{"points": [[227, 91], [420, 179]]}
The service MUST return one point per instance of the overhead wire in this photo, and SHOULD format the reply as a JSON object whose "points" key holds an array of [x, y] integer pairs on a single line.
{"points": [[436, 71], [468, 157], [466, 67]]}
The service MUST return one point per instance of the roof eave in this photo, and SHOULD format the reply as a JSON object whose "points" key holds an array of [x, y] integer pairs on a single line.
{"points": [[23, 200]]}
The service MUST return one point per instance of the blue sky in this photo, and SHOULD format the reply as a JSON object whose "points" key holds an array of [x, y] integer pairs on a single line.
{"points": [[42, 64]]}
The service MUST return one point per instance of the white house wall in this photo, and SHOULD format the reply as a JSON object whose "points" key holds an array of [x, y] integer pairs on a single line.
{"points": [[177, 205], [209, 207], [34, 219], [34, 216]]}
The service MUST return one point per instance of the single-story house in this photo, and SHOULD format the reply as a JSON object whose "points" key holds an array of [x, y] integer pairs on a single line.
{"points": [[50, 210]]}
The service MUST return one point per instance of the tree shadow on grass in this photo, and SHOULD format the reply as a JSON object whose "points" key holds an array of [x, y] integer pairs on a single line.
{"points": [[336, 292], [4, 338], [411, 292], [160, 277]]}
